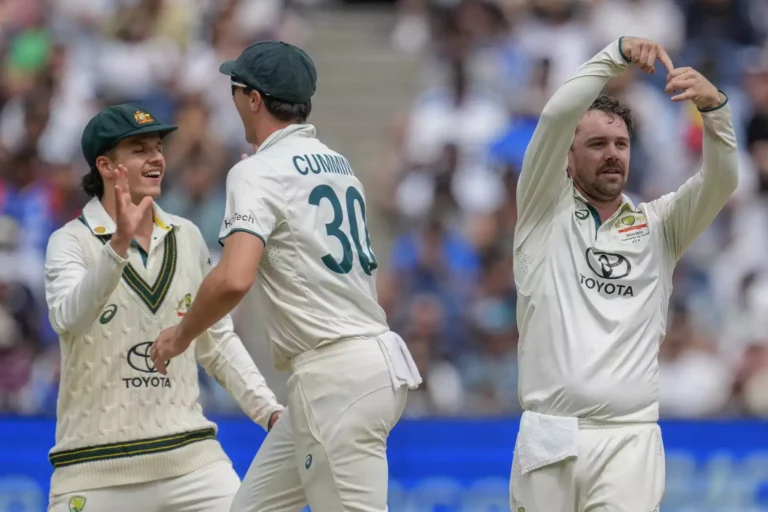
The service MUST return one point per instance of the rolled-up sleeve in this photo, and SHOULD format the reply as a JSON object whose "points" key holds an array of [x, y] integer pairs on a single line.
{"points": [[76, 289]]}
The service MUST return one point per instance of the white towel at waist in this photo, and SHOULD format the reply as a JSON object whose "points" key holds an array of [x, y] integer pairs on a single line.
{"points": [[402, 367], [544, 440]]}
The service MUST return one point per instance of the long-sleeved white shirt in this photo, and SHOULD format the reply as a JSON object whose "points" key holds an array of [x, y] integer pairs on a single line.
{"points": [[77, 294], [593, 296], [112, 402]]}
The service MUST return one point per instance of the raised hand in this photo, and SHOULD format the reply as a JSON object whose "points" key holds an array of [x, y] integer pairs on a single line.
{"points": [[644, 53], [693, 86], [127, 215]]}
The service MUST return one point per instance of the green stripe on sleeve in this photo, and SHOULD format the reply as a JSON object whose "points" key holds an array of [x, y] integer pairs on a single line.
{"points": [[241, 230]]}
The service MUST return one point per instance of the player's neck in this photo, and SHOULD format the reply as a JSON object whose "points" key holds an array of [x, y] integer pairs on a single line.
{"points": [[267, 129], [606, 209]]}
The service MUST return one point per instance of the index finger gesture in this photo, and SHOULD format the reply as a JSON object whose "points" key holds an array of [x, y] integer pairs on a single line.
{"points": [[663, 57]]}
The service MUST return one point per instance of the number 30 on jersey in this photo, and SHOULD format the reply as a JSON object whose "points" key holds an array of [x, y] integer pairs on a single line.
{"points": [[333, 228]]}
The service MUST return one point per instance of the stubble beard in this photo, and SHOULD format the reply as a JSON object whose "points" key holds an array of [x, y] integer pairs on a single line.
{"points": [[600, 190]]}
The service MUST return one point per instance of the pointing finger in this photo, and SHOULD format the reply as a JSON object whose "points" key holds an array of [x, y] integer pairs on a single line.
{"points": [[663, 57], [650, 63]]}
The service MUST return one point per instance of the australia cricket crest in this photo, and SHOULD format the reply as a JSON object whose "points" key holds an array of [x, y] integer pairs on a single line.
{"points": [[76, 504], [184, 305]]}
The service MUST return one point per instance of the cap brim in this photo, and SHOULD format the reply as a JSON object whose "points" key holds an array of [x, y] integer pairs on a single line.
{"points": [[161, 129], [228, 68]]}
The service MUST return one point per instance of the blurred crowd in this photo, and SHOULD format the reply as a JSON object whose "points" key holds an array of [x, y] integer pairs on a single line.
{"points": [[60, 62], [447, 190], [489, 67]]}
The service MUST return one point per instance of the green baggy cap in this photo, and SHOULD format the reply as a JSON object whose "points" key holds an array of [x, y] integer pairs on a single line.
{"points": [[113, 124], [276, 69]]}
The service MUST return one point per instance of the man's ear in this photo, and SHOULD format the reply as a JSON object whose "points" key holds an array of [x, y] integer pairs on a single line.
{"points": [[256, 100], [104, 166]]}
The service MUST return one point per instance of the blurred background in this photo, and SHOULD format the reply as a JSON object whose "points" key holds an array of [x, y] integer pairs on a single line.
{"points": [[433, 102]]}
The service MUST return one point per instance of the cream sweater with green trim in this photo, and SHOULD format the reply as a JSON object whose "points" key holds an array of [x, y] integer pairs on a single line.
{"points": [[119, 421]]}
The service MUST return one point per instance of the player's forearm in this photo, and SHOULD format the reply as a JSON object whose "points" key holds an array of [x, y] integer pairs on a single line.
{"points": [[720, 170], [231, 365], [215, 299], [546, 156], [575, 96], [701, 198], [73, 309], [721, 163]]}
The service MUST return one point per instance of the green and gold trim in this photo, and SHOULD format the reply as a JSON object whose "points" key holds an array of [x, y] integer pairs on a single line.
{"points": [[153, 296], [130, 448]]}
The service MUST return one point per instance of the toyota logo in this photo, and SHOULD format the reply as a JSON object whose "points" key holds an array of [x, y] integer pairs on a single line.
{"points": [[138, 358], [607, 264]]}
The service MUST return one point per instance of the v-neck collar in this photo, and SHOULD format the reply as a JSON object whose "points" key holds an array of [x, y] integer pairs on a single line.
{"points": [[626, 205], [152, 295]]}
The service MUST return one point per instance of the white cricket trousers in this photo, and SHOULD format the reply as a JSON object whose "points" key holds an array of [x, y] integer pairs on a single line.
{"points": [[619, 468], [209, 489], [329, 447]]}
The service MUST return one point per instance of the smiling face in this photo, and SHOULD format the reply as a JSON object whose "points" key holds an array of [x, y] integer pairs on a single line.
{"points": [[598, 161], [142, 156]]}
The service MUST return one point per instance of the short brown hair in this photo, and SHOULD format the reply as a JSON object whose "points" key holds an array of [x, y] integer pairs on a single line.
{"points": [[612, 107]]}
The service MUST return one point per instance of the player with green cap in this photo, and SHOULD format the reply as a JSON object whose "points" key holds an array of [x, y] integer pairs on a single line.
{"points": [[295, 216], [128, 438]]}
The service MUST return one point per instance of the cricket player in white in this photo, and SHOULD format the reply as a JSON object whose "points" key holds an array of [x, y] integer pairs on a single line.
{"points": [[295, 217], [594, 277], [128, 438]]}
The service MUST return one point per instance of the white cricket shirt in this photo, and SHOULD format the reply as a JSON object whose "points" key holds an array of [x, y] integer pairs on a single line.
{"points": [[316, 277], [593, 297], [118, 421]]}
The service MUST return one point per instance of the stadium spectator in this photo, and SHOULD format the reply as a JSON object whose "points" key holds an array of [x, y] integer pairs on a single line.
{"points": [[445, 190]]}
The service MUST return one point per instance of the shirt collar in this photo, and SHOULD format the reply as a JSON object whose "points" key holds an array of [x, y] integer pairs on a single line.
{"points": [[300, 130], [100, 223]]}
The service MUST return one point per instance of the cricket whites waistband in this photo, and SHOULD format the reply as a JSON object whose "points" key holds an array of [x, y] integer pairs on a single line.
{"points": [[129, 448], [134, 462]]}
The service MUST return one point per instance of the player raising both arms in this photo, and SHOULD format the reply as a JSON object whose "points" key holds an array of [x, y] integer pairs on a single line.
{"points": [[296, 216], [128, 438], [594, 277]]}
